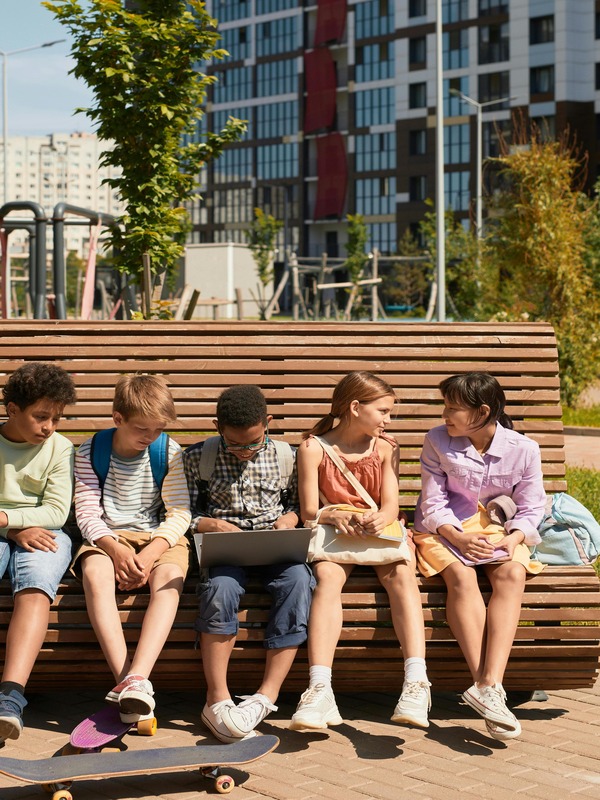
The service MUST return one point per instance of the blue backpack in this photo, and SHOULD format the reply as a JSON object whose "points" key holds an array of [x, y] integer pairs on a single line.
{"points": [[570, 534], [101, 448]]}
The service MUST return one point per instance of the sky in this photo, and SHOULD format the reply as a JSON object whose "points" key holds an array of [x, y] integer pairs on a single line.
{"points": [[42, 96]]}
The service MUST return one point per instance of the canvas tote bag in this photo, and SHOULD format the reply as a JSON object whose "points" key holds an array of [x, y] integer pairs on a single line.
{"points": [[328, 544]]}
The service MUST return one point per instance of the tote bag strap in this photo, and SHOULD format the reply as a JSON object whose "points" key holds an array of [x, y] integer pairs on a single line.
{"points": [[352, 480]]}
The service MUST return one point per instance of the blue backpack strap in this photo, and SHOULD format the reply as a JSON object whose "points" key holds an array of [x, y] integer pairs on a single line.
{"points": [[100, 451], [101, 448], [159, 458]]}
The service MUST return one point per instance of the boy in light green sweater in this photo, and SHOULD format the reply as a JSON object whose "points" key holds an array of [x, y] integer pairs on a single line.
{"points": [[36, 466]]}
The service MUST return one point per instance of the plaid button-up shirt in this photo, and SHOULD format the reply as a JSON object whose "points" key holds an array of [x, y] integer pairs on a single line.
{"points": [[245, 493]]}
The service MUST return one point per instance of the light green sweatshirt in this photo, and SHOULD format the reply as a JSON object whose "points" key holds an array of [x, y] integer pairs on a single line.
{"points": [[36, 483]]}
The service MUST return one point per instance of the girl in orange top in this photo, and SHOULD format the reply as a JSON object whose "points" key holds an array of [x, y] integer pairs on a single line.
{"points": [[361, 404]]}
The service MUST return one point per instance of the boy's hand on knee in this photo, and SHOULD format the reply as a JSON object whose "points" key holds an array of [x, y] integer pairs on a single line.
{"points": [[31, 539]]}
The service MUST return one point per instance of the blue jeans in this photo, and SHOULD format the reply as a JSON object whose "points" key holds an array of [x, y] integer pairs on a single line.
{"points": [[37, 570], [290, 586]]}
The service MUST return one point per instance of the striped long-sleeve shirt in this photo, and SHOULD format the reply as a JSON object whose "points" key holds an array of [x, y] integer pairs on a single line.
{"points": [[131, 499]]}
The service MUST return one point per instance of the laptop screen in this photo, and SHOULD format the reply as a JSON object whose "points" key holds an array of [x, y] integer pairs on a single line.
{"points": [[252, 548]]}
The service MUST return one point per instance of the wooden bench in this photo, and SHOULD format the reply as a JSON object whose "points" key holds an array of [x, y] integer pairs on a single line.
{"points": [[297, 364]]}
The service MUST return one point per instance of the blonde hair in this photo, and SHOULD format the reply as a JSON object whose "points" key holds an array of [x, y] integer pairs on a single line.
{"points": [[144, 396], [362, 386]]}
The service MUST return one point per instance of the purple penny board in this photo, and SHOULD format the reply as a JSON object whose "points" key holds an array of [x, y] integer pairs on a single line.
{"points": [[99, 729]]}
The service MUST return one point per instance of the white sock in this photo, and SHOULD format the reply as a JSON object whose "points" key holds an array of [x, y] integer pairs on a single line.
{"points": [[318, 674], [415, 670]]}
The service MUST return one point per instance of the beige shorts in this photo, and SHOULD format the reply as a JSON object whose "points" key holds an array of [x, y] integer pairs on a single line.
{"points": [[179, 554]]}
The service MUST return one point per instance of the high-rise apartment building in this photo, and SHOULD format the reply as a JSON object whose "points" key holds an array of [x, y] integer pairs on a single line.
{"points": [[340, 98], [58, 168]]}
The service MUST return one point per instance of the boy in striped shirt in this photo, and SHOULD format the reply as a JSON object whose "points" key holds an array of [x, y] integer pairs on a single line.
{"points": [[134, 534]]}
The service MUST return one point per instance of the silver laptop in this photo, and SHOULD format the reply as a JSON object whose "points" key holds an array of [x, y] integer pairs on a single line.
{"points": [[252, 548]]}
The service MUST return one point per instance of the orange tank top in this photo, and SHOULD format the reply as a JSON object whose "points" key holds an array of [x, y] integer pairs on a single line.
{"points": [[367, 471]]}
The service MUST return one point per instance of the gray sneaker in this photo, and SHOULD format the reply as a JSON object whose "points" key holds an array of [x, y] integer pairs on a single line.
{"points": [[11, 714], [316, 710]]}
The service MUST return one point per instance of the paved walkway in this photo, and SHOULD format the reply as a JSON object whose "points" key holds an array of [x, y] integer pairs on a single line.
{"points": [[367, 758], [583, 449]]}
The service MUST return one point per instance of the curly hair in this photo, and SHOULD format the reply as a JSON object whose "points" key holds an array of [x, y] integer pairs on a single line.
{"points": [[241, 406], [37, 380]]}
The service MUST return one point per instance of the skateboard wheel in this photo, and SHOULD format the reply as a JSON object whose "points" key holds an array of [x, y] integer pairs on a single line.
{"points": [[69, 750], [224, 784], [62, 794], [147, 727]]}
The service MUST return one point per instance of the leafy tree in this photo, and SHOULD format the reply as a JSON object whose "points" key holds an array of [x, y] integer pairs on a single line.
{"points": [[405, 283], [261, 237], [537, 251], [358, 236], [464, 271], [141, 66]]}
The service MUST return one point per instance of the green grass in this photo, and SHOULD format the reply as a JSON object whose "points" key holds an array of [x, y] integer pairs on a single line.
{"points": [[584, 484], [588, 417]]}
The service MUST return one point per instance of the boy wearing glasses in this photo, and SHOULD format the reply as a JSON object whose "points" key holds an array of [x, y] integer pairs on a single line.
{"points": [[245, 493]]}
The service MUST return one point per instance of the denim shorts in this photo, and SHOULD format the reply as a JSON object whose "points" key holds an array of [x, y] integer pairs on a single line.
{"points": [[38, 569], [290, 586]]}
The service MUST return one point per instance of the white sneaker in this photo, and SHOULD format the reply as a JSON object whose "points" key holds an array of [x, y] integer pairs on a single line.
{"points": [[243, 718], [501, 734], [317, 709], [135, 696], [490, 703], [413, 705], [212, 717]]}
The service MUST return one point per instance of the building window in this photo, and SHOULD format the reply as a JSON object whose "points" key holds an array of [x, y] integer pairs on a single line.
{"points": [[417, 8], [277, 77], [374, 107], [382, 235], [233, 84], [219, 119], [456, 144], [492, 134], [227, 12], [374, 18], [277, 161], [417, 95], [597, 24], [493, 7], [453, 105], [541, 29], [417, 52], [597, 77], [266, 6], [456, 190], [375, 151], [494, 86], [274, 120], [277, 36], [456, 49], [417, 142], [374, 62], [546, 127], [237, 43], [542, 80], [493, 43], [454, 10], [417, 188], [375, 196]]}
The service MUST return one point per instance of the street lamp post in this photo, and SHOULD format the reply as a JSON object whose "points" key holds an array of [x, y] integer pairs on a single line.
{"points": [[5, 54], [479, 153]]}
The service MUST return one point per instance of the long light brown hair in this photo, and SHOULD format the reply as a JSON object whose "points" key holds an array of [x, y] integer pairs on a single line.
{"points": [[362, 386]]}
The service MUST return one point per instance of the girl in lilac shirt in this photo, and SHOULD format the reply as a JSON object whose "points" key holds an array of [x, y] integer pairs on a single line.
{"points": [[466, 465]]}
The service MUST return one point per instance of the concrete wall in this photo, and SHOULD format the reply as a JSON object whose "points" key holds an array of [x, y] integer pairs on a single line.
{"points": [[217, 270]]}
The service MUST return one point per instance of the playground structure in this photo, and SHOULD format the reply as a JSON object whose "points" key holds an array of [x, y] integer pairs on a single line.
{"points": [[41, 302], [319, 286]]}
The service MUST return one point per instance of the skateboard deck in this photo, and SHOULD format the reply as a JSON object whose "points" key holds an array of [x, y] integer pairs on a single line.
{"points": [[63, 769], [99, 729]]}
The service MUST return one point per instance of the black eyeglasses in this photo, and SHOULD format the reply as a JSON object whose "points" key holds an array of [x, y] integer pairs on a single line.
{"points": [[254, 447]]}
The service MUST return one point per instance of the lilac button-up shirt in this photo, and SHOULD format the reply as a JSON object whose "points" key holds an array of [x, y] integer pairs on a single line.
{"points": [[455, 477]]}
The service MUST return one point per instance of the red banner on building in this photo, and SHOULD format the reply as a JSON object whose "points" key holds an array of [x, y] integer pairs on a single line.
{"points": [[332, 172], [331, 21], [319, 75]]}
